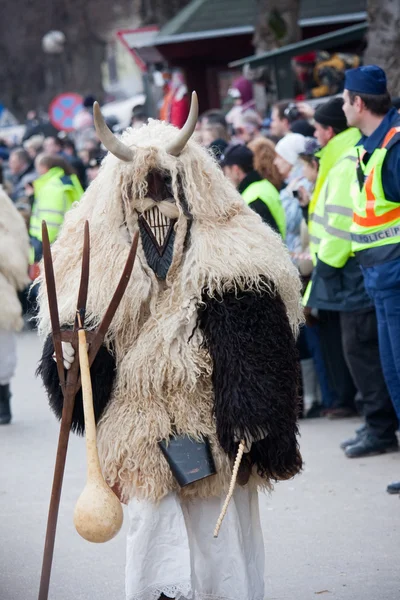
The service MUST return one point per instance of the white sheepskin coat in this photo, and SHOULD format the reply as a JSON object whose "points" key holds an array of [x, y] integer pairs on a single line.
{"points": [[163, 372], [14, 254]]}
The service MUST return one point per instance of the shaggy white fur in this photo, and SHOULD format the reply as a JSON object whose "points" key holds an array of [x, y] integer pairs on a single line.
{"points": [[14, 253], [163, 379]]}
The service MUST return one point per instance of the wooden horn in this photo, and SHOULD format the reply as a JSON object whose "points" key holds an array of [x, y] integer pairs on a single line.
{"points": [[98, 513]]}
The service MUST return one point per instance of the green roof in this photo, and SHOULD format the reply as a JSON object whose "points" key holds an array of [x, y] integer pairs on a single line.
{"points": [[206, 15], [331, 11], [202, 16]]}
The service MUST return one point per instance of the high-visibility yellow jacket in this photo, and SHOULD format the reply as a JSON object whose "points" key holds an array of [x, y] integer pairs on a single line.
{"points": [[55, 192], [337, 280], [376, 220], [265, 191], [337, 147]]}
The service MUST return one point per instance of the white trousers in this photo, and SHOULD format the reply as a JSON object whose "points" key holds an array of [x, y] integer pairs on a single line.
{"points": [[8, 356], [171, 549]]}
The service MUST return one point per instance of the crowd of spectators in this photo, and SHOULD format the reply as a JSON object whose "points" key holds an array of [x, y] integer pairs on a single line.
{"points": [[295, 167]]}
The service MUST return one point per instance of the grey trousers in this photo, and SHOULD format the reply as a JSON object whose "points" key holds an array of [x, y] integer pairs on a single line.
{"points": [[8, 355]]}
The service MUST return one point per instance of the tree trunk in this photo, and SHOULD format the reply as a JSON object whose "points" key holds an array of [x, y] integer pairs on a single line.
{"points": [[277, 24], [384, 40], [29, 78]]}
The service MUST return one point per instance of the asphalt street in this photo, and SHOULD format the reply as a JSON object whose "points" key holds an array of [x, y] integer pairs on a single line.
{"points": [[331, 533]]}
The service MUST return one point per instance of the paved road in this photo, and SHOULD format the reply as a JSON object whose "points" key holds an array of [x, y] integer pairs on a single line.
{"points": [[331, 533]]}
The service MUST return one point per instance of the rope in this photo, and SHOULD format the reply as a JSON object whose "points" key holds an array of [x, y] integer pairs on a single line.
{"points": [[235, 471]]}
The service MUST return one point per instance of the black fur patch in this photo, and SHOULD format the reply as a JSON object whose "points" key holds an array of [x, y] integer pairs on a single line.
{"points": [[103, 374], [255, 377]]}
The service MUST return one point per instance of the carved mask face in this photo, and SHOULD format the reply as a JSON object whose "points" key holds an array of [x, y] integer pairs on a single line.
{"points": [[158, 214]]}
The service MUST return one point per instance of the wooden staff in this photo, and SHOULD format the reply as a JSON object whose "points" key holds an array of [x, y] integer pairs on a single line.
{"points": [[238, 459], [98, 513], [71, 385]]}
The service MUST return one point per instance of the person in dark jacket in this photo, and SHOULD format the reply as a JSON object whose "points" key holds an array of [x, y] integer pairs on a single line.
{"points": [[23, 172], [258, 193]]}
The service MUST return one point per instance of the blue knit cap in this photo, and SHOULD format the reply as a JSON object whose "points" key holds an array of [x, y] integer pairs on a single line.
{"points": [[370, 79]]}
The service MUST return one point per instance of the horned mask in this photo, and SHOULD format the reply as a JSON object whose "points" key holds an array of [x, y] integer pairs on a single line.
{"points": [[157, 212]]}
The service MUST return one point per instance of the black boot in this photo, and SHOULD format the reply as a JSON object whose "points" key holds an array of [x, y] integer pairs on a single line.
{"points": [[5, 412], [314, 411], [360, 432], [369, 445], [393, 488]]}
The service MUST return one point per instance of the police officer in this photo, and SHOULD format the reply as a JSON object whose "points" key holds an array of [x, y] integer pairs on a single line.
{"points": [[258, 193], [376, 201], [338, 286]]}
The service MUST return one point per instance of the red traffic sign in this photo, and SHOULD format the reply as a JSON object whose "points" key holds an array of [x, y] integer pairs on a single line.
{"points": [[63, 109]]}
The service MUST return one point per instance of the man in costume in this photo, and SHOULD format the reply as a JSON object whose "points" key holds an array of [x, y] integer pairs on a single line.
{"points": [[202, 345]]}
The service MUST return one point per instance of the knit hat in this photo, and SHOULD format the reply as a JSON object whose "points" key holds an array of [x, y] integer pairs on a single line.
{"points": [[139, 110], [242, 88], [311, 147], [88, 101], [96, 160], [370, 79], [218, 147], [239, 155], [331, 113], [303, 127], [290, 146]]}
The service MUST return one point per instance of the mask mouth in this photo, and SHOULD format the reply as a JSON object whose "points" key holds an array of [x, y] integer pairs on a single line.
{"points": [[158, 227], [158, 236]]}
